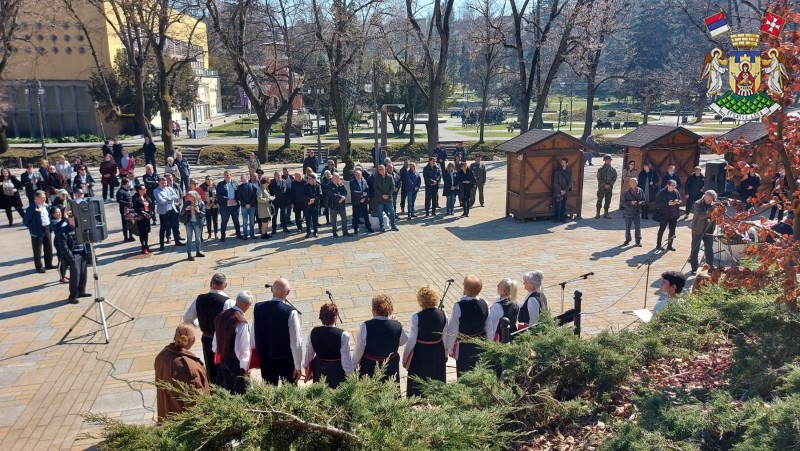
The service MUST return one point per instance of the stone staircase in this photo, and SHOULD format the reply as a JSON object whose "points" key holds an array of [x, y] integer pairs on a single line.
{"points": [[191, 154]]}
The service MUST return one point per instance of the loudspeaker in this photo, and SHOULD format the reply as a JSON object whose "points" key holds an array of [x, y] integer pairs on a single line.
{"points": [[90, 220], [716, 176]]}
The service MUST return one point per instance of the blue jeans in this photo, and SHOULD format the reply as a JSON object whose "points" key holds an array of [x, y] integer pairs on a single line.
{"points": [[248, 221], [451, 203], [412, 197], [560, 208], [194, 230], [389, 209], [229, 213]]}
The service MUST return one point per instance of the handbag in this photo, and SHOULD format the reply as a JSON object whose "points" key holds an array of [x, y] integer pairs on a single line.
{"points": [[130, 214], [133, 227], [183, 218]]}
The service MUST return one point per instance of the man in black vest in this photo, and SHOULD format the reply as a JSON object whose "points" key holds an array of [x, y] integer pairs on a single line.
{"points": [[470, 319], [202, 313], [232, 343], [276, 332]]}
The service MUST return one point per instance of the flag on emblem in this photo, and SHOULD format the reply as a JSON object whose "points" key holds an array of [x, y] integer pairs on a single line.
{"points": [[772, 24], [717, 24]]}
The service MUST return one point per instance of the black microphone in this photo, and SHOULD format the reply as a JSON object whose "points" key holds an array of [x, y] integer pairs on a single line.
{"points": [[587, 274], [267, 285], [328, 293], [450, 280]]}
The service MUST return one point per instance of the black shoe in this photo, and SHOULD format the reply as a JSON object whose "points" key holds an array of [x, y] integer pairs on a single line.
{"points": [[50, 267], [263, 236], [308, 235], [286, 230], [315, 234], [130, 239], [336, 235], [190, 258], [348, 234], [161, 248], [85, 295], [239, 236], [199, 254], [626, 243], [41, 271], [269, 236], [179, 243], [222, 240], [370, 231], [169, 240], [638, 244], [72, 301], [670, 248]]}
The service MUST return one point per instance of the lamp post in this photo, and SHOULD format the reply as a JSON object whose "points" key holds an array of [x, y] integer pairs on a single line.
{"points": [[97, 111], [39, 94], [317, 93], [563, 84]]}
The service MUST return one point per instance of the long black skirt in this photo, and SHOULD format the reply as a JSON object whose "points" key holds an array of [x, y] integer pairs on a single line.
{"points": [[467, 357], [392, 370], [429, 362], [332, 370]]}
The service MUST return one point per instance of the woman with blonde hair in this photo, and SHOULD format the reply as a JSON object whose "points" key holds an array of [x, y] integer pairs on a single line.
{"points": [[176, 363], [265, 209], [535, 301], [470, 319], [425, 356], [378, 341], [504, 307], [193, 216]]}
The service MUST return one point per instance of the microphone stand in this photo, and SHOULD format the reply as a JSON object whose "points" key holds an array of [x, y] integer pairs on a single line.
{"points": [[338, 312], [563, 285], [269, 285], [447, 287], [648, 262]]}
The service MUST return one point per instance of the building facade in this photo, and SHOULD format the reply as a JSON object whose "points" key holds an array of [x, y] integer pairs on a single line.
{"points": [[49, 72]]}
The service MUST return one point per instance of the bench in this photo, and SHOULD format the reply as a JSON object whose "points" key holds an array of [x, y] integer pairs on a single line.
{"points": [[197, 133], [547, 126], [513, 126], [602, 124], [630, 124]]}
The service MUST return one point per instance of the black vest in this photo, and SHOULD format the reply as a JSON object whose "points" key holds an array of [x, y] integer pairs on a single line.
{"points": [[271, 324], [208, 306], [431, 322], [473, 317], [383, 337], [510, 311], [327, 342], [524, 315]]}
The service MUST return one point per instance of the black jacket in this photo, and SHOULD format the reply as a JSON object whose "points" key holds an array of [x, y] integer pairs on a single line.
{"points": [[277, 189], [312, 192], [694, 186], [431, 174], [466, 180], [149, 150], [124, 199], [645, 178], [222, 193], [297, 193], [247, 194], [336, 192], [138, 207]]}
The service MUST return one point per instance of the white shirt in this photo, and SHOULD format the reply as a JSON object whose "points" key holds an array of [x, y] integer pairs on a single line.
{"points": [[241, 345], [533, 308], [663, 300], [361, 342], [295, 339], [44, 213], [191, 314], [344, 352], [451, 331], [495, 313], [412, 337]]}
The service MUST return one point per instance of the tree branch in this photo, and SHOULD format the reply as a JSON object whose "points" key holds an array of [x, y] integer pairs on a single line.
{"points": [[297, 422]]}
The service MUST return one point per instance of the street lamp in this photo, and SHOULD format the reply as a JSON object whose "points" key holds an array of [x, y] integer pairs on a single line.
{"points": [[570, 101], [317, 93], [97, 111], [39, 94]]}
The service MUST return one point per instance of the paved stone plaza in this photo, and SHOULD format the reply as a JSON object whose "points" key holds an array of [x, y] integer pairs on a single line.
{"points": [[47, 380]]}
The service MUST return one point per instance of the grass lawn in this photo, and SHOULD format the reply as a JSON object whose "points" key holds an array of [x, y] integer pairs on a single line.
{"points": [[240, 127]]}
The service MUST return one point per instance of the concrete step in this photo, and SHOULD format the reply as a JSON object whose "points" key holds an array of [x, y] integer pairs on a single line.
{"points": [[191, 154]]}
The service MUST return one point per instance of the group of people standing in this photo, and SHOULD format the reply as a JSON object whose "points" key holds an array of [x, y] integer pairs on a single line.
{"points": [[232, 347]]}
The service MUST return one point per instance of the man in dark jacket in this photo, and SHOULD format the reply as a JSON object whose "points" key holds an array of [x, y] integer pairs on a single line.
{"points": [[441, 157], [403, 187], [466, 180], [247, 195], [337, 202], [671, 175], [75, 254], [703, 230], [479, 170], [749, 186], [312, 196], [432, 173], [384, 189], [149, 149], [310, 161], [359, 196], [116, 150], [184, 170], [107, 150], [124, 198], [669, 201], [228, 205], [150, 180], [562, 185], [279, 190], [37, 220], [32, 181], [694, 189], [297, 198], [632, 201]]}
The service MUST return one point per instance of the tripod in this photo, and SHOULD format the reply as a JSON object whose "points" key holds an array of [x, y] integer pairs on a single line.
{"points": [[563, 285], [99, 301]]}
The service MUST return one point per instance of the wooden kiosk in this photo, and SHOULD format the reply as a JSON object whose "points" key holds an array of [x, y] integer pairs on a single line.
{"points": [[758, 143], [532, 160], [661, 146]]}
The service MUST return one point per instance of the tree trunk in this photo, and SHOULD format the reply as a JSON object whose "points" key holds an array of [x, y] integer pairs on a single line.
{"points": [[588, 120], [342, 133], [165, 109], [413, 125], [287, 139], [484, 102], [264, 124], [645, 110], [432, 126], [3, 138], [139, 115]]}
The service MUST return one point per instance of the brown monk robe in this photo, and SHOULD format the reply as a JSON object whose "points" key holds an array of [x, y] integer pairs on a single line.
{"points": [[177, 363]]}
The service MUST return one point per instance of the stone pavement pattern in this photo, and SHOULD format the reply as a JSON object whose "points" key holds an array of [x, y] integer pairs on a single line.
{"points": [[46, 382]]}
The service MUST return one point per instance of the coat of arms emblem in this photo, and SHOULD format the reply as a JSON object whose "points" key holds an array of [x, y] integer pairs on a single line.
{"points": [[747, 68]]}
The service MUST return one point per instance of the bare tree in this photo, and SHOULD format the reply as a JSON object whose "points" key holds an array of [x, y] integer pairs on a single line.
{"points": [[244, 28], [605, 21], [9, 12], [487, 53], [174, 34], [432, 36], [342, 29]]}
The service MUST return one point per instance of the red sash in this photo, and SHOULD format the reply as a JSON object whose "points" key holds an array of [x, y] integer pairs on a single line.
{"points": [[255, 362], [392, 356], [411, 354]]}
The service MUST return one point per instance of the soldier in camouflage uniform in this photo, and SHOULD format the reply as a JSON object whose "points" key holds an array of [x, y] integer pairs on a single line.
{"points": [[606, 177]]}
